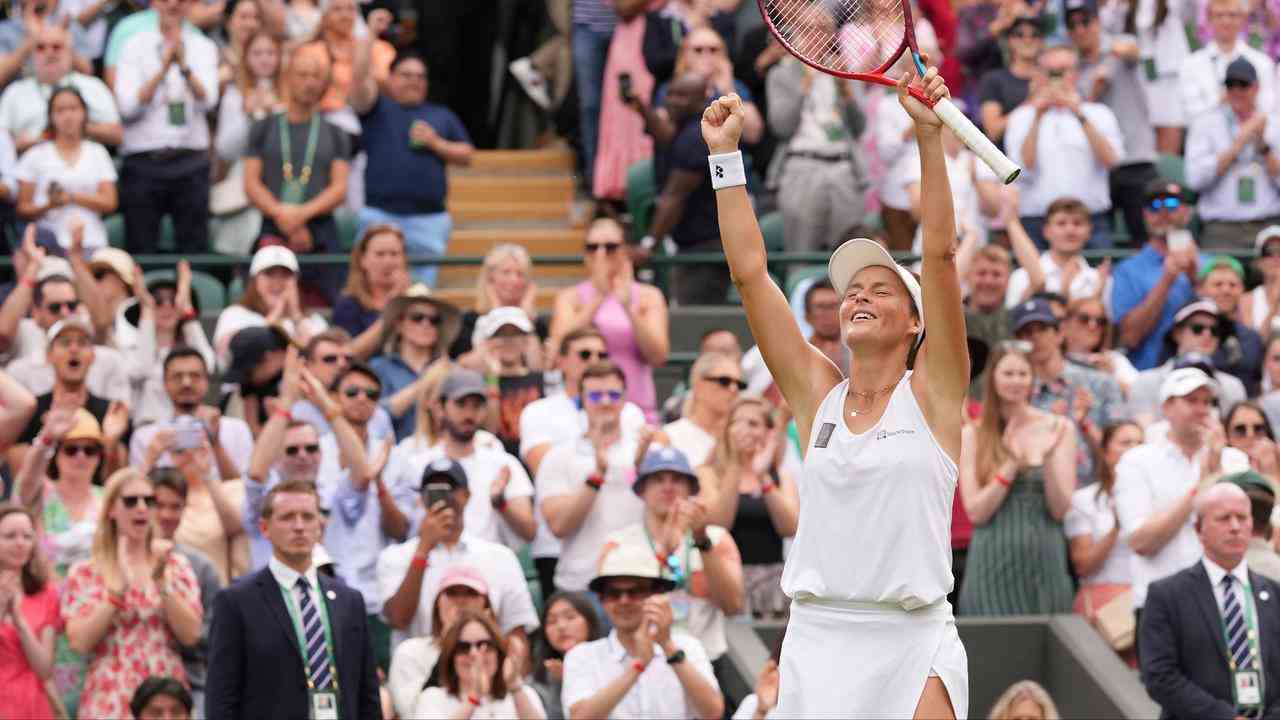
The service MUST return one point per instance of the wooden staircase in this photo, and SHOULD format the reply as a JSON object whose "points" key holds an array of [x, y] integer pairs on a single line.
{"points": [[523, 197]]}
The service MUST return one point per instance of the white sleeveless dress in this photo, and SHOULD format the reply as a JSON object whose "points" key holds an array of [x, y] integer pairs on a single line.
{"points": [[870, 569]]}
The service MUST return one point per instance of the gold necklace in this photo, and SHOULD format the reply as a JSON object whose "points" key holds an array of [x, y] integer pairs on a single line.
{"points": [[869, 395]]}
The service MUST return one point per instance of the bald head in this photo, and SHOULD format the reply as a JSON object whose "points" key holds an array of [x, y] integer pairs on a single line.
{"points": [[309, 73], [1224, 521], [53, 53]]}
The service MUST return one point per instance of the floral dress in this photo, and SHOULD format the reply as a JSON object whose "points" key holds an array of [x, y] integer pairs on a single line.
{"points": [[66, 541], [139, 643]]}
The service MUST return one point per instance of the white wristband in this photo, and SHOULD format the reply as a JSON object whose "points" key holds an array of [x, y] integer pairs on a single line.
{"points": [[727, 170]]}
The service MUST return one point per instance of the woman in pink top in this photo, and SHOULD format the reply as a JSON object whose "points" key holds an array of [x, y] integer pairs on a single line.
{"points": [[28, 618], [631, 316]]}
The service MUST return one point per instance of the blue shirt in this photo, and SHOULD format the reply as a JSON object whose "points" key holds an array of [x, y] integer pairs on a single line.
{"points": [[353, 317], [392, 159], [1132, 280], [396, 375]]}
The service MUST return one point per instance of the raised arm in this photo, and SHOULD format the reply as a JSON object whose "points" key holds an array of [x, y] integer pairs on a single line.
{"points": [[17, 405]]}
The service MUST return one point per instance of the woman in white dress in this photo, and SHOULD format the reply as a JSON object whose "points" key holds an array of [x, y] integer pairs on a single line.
{"points": [[871, 565]]}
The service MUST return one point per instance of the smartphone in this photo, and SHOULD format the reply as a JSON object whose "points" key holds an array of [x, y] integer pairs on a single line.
{"points": [[1179, 239], [188, 433], [624, 86], [436, 492]]}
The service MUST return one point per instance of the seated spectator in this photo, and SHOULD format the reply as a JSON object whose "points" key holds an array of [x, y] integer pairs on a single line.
{"points": [[24, 109], [253, 378], [243, 21], [409, 573], [1201, 74], [1016, 477], [1066, 144], [1248, 430], [1100, 560], [1067, 228], [1231, 163], [506, 280], [1240, 350], [1149, 288], [1086, 340], [1156, 484], [1180, 668], [171, 490], [980, 26], [165, 98], [1261, 555], [394, 119], [479, 668], [270, 297], [325, 356], [377, 275], [29, 605], [107, 278], [1193, 338], [297, 210], [256, 91], [417, 330], [1002, 90], [1024, 700], [716, 381], [161, 698], [216, 505], [749, 494], [631, 316], [414, 662], [569, 620], [1258, 310], [504, 337], [616, 675], [134, 599]]}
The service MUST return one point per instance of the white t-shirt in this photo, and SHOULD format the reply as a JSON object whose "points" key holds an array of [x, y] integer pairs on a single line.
{"points": [[563, 471], [42, 166], [435, 702], [235, 318], [1089, 516], [693, 441], [1086, 283]]}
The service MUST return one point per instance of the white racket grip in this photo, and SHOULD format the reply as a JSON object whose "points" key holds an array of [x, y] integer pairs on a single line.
{"points": [[980, 144]]}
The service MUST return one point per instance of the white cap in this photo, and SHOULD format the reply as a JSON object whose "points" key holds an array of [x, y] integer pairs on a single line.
{"points": [[72, 322], [1270, 232], [273, 256], [494, 320], [854, 255], [53, 266], [1199, 306], [1183, 382]]}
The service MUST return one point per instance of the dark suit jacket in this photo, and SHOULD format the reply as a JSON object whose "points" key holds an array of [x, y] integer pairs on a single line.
{"points": [[1184, 656], [255, 666]]}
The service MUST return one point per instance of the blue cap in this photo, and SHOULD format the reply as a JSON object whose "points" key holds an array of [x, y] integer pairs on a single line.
{"points": [[664, 459], [1034, 310]]}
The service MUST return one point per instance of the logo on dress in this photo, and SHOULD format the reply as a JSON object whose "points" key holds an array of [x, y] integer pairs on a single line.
{"points": [[824, 435], [883, 434]]}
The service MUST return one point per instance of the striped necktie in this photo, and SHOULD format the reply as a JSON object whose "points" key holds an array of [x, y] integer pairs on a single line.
{"points": [[319, 663], [1238, 644]]}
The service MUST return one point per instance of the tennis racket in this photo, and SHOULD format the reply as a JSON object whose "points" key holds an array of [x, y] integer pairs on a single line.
{"points": [[861, 40]]}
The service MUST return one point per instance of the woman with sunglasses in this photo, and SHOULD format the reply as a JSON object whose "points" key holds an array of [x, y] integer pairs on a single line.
{"points": [[378, 274], [1249, 430], [28, 619], [417, 330], [481, 675], [631, 316], [1087, 339], [132, 604], [715, 380], [568, 620]]}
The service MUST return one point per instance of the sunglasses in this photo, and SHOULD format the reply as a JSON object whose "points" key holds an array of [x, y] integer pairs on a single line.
{"points": [[294, 450], [1097, 321], [333, 359], [56, 307], [131, 501], [417, 318], [1199, 328], [1165, 203], [599, 397], [588, 355], [89, 451], [727, 382], [1237, 84], [464, 647], [616, 593], [371, 393], [1242, 429], [608, 248]]}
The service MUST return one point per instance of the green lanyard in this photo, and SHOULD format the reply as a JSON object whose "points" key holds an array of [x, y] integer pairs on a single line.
{"points": [[296, 616], [1251, 632], [293, 191], [671, 565]]}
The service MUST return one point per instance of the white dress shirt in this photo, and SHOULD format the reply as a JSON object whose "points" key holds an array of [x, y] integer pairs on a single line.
{"points": [[1202, 73], [1217, 573], [897, 151], [1210, 134], [288, 577], [1065, 162], [147, 127], [589, 667], [1086, 283]]}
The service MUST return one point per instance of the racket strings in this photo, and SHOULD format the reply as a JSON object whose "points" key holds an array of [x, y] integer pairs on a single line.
{"points": [[840, 35]]}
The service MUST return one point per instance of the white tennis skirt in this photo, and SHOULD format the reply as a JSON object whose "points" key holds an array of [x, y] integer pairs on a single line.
{"points": [[868, 660]]}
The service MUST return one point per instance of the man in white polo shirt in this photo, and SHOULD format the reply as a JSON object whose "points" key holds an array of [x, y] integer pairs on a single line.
{"points": [[1156, 482]]}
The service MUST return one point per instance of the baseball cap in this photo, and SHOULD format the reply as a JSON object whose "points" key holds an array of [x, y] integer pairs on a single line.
{"points": [[1270, 232], [114, 259], [53, 266], [1088, 6], [460, 383], [73, 322], [1222, 261], [1197, 360], [491, 322], [1241, 70], [1163, 187], [249, 346], [273, 256], [444, 469], [1034, 310], [464, 576], [1184, 381], [1035, 22], [664, 459], [853, 255], [1250, 480], [629, 560], [1197, 306]]}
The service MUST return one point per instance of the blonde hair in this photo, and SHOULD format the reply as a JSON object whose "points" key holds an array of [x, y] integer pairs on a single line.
{"points": [[701, 366], [492, 259], [722, 456], [426, 430], [357, 282], [106, 537], [991, 451], [682, 55], [1025, 690]]}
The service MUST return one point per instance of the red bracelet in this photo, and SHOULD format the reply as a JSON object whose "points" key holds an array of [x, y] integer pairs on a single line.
{"points": [[281, 412], [499, 503], [418, 562], [30, 282], [767, 488], [595, 481], [473, 700], [1003, 480], [190, 315], [638, 666]]}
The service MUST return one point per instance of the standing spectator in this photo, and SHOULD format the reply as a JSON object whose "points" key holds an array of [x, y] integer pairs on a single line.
{"points": [[986, 317], [980, 26], [1087, 338], [1221, 282], [259, 623], [28, 617], [1156, 483], [480, 672], [593, 24], [1164, 46], [973, 187], [1016, 480], [506, 280], [298, 209], [1194, 339], [1067, 228], [339, 22], [406, 136], [416, 332], [715, 380], [1258, 311], [256, 91], [631, 316], [1110, 74], [1231, 161], [750, 495], [569, 620], [165, 93], [615, 676], [622, 140], [24, 107], [1202, 73], [1066, 144], [1149, 288], [378, 273], [131, 603], [1004, 89], [161, 698], [242, 22], [270, 299], [1261, 555], [1181, 670]]}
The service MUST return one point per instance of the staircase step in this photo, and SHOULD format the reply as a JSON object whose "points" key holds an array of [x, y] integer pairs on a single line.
{"points": [[537, 241], [549, 160], [525, 189], [465, 213]]}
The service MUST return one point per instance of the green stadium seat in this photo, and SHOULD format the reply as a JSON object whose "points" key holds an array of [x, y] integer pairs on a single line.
{"points": [[210, 293], [771, 228], [115, 230], [641, 195], [347, 225], [235, 288], [531, 577], [803, 272]]}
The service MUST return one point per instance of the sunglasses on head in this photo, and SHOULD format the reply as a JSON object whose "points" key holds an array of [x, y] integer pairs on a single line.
{"points": [[333, 359], [727, 382], [309, 448], [1199, 328], [617, 593], [371, 393], [608, 248], [1249, 429], [598, 397], [89, 451], [588, 355], [417, 318], [1097, 321], [131, 501], [465, 647], [55, 307], [1165, 203]]}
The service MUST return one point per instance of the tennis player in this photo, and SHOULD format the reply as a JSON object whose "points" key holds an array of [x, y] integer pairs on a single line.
{"points": [[871, 631]]}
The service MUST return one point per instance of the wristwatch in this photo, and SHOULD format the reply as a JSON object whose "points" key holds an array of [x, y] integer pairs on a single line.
{"points": [[1264, 150], [703, 545], [676, 657]]}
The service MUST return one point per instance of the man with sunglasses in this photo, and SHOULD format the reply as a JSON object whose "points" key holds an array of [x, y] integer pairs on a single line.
{"points": [[327, 354], [1240, 352], [1195, 338], [1202, 72], [1233, 161]]}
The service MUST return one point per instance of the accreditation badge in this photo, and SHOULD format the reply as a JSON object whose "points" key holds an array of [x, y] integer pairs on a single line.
{"points": [[324, 705], [1248, 688]]}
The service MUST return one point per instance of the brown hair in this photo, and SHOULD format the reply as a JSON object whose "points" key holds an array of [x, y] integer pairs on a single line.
{"points": [[574, 336], [449, 648], [604, 368], [1067, 205], [335, 335], [1106, 473], [288, 487], [722, 456], [994, 254], [991, 451], [1075, 306], [437, 625], [252, 299], [357, 284], [427, 424], [245, 81], [35, 573]]}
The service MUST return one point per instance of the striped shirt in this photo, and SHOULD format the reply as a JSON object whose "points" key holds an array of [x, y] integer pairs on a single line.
{"points": [[598, 15]]}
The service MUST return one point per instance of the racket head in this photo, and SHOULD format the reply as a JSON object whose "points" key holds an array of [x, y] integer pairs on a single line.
{"points": [[855, 39]]}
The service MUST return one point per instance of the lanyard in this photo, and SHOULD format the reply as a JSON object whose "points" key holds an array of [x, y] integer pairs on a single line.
{"points": [[296, 616], [1251, 632], [671, 564], [286, 153]]}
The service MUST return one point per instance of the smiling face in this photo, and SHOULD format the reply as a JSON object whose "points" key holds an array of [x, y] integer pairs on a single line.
{"points": [[272, 283], [17, 541], [1067, 232], [604, 247], [1123, 439], [408, 82], [419, 325], [988, 283], [877, 308], [358, 395], [623, 600], [244, 21], [134, 510], [509, 280], [578, 355], [565, 627], [603, 399], [748, 426], [1012, 376], [1224, 287]]}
